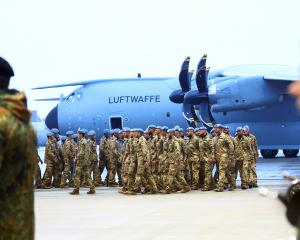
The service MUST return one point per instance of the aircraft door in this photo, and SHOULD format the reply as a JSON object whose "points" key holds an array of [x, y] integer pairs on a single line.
{"points": [[116, 122]]}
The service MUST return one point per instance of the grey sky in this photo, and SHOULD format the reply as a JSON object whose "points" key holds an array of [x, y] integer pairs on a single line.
{"points": [[50, 42]]}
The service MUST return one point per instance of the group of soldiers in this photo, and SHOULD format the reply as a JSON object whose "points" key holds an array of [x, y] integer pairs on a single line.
{"points": [[158, 160]]}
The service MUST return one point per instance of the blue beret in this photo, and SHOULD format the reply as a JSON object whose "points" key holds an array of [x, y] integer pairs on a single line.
{"points": [[190, 129], [226, 127], [246, 127], [106, 131], [91, 133], [239, 129], [152, 126], [63, 138], [197, 129], [49, 134], [126, 129], [158, 127], [165, 128], [202, 128], [180, 129], [211, 131], [69, 132], [54, 130], [75, 135], [218, 126], [82, 131], [171, 130]]}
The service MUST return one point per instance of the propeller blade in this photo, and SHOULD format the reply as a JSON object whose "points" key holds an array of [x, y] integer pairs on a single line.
{"points": [[202, 75], [188, 113], [184, 78]]}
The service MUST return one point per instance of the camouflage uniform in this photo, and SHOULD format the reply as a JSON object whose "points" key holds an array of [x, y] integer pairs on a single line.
{"points": [[113, 158], [143, 167], [68, 150], [254, 157], [38, 176], [17, 167], [162, 148], [104, 155], [59, 167], [223, 150], [93, 161], [183, 159], [153, 157], [193, 159], [120, 146], [125, 159], [132, 167], [243, 158], [205, 147], [231, 169], [175, 176], [82, 164], [51, 159]]}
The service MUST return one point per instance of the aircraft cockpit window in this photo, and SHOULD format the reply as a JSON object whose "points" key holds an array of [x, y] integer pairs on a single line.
{"points": [[74, 96]]}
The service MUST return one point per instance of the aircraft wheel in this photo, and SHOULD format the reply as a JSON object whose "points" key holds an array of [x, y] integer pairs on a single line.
{"points": [[289, 153], [269, 153]]}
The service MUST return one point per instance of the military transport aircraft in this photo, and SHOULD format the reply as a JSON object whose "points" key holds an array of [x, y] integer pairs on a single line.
{"points": [[254, 95], [40, 128]]}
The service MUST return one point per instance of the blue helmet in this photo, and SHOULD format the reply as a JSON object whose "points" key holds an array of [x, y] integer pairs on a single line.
{"points": [[239, 129], [218, 126], [69, 133], [246, 128], [202, 128], [165, 128], [91, 133], [49, 134], [54, 130], [190, 129]]}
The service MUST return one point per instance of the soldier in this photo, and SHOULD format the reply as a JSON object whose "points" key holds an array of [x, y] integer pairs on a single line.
{"points": [[243, 156], [113, 156], [175, 176], [231, 165], [143, 166], [38, 177], [68, 158], [59, 167], [152, 141], [132, 166], [93, 158], [104, 153], [125, 159], [51, 159], [82, 163], [215, 165], [202, 163], [205, 147], [120, 143], [17, 161], [254, 157], [162, 147], [182, 158], [222, 154], [193, 159]]}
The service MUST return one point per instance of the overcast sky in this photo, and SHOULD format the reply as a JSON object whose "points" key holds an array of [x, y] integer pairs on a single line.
{"points": [[60, 41]]}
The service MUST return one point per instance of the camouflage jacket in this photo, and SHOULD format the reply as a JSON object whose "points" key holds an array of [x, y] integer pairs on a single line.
{"points": [[205, 148], [113, 152], [192, 148], [17, 166], [243, 148], [69, 151], [103, 148], [51, 154], [82, 157], [223, 147], [253, 146], [93, 157]]}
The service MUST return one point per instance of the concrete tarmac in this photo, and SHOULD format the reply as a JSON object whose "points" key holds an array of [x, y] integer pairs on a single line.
{"points": [[241, 214]]}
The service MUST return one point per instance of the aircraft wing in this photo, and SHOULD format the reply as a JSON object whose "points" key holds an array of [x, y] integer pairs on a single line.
{"points": [[269, 72], [81, 83]]}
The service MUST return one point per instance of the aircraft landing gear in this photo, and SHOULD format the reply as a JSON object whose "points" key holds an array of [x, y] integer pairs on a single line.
{"points": [[289, 153], [269, 153]]}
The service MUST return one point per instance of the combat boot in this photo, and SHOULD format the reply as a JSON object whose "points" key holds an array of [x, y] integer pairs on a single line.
{"points": [[122, 190], [244, 187], [92, 191], [97, 184], [186, 189], [219, 190], [255, 185], [75, 191], [46, 186], [130, 192]]}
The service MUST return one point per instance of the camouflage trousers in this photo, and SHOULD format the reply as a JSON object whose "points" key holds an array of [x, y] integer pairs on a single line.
{"points": [[224, 173], [242, 167], [67, 174], [112, 168], [209, 182], [49, 173], [176, 179], [124, 172], [38, 179], [95, 172], [144, 177], [132, 168], [194, 169], [119, 173], [58, 173], [103, 163], [162, 174], [83, 171], [252, 173]]}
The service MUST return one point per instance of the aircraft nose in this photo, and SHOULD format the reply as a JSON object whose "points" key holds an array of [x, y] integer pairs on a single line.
{"points": [[51, 119]]}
